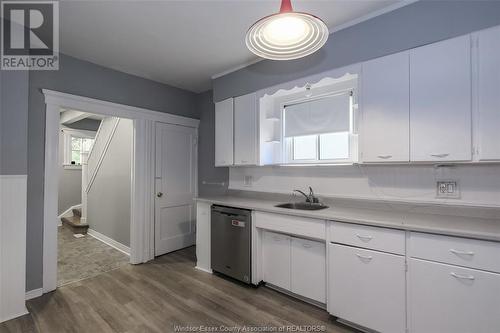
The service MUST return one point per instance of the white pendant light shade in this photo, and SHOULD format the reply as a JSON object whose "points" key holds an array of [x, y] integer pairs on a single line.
{"points": [[287, 35]]}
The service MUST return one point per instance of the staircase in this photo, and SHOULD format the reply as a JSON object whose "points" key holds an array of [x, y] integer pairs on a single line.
{"points": [[74, 223]]}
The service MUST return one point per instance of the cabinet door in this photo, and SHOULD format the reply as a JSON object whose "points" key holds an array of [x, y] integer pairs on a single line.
{"points": [[276, 259], [224, 133], [367, 288], [450, 299], [489, 94], [245, 130], [308, 277], [385, 110], [440, 101]]}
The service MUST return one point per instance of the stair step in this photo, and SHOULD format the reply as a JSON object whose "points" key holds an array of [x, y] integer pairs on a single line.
{"points": [[77, 212], [73, 222]]}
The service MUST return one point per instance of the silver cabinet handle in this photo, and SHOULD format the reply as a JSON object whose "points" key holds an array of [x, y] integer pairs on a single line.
{"points": [[159, 194], [384, 157], [243, 161], [307, 246], [364, 257], [464, 253], [440, 155], [276, 238], [462, 277], [364, 238]]}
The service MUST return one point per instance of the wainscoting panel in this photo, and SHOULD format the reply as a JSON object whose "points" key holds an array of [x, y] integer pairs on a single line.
{"points": [[12, 246]]}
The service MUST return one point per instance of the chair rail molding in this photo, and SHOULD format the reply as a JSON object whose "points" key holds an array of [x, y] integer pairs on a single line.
{"points": [[142, 189]]}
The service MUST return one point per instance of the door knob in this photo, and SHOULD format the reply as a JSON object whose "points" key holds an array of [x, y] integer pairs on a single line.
{"points": [[159, 194]]}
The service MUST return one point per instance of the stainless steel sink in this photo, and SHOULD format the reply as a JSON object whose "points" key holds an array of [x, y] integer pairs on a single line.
{"points": [[301, 206]]}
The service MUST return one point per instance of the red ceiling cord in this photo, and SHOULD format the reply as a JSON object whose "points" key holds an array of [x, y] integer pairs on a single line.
{"points": [[286, 6]]}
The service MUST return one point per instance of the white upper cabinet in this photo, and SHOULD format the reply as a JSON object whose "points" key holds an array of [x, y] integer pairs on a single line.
{"points": [[385, 109], [440, 101], [224, 132], [488, 92], [245, 130]]}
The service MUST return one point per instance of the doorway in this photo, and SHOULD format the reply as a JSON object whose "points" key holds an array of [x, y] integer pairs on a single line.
{"points": [[95, 166], [142, 204]]}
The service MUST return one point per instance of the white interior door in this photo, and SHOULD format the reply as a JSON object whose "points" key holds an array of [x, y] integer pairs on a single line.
{"points": [[175, 187]]}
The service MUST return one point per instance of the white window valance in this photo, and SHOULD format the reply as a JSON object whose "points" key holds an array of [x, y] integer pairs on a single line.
{"points": [[329, 114]]}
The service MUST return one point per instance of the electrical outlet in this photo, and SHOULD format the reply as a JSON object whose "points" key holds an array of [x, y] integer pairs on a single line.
{"points": [[447, 189], [247, 181]]}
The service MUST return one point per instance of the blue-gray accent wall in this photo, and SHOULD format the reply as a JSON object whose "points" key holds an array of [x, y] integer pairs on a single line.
{"points": [[417, 24]]}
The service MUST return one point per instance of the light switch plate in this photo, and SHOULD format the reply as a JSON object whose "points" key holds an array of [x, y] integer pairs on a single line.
{"points": [[447, 189]]}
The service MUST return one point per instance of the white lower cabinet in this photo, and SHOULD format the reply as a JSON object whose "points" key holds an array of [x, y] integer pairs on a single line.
{"points": [[295, 264], [367, 288], [308, 269], [450, 299], [276, 259]]}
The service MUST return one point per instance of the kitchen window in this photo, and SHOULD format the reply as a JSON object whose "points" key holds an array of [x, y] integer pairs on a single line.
{"points": [[319, 130]]}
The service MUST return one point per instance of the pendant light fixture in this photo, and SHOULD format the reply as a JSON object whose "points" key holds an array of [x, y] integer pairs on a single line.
{"points": [[286, 35]]}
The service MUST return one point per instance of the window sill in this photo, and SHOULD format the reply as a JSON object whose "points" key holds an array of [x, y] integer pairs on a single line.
{"points": [[72, 167]]}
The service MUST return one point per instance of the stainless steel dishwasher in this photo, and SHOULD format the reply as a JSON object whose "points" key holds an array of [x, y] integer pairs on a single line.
{"points": [[231, 239]]}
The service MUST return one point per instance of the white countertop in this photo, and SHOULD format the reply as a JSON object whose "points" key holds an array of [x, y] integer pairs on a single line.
{"points": [[387, 215]]}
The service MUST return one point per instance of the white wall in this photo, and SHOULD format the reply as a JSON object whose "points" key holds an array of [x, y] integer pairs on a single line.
{"points": [[108, 202], [479, 184], [70, 182]]}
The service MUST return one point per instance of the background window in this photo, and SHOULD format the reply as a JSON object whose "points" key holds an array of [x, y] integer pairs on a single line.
{"points": [[78, 146]]}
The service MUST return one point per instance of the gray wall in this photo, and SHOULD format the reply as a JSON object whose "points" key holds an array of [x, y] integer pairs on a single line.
{"points": [[414, 25], [108, 201], [85, 124], [206, 148], [70, 182], [86, 79], [13, 122]]}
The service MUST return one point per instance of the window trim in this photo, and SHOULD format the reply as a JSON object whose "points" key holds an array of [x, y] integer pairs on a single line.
{"points": [[68, 133], [287, 142]]}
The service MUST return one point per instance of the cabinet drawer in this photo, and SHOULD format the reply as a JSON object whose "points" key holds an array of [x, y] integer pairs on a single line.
{"points": [[451, 299], [382, 239], [300, 226], [367, 288], [455, 250]]}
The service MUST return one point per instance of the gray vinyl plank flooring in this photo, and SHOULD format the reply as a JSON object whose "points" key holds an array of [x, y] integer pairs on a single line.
{"points": [[157, 296]]}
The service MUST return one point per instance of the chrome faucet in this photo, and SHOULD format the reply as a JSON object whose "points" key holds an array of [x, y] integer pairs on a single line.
{"points": [[311, 198]]}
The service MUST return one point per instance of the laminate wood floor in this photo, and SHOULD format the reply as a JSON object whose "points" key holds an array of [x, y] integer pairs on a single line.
{"points": [[157, 296]]}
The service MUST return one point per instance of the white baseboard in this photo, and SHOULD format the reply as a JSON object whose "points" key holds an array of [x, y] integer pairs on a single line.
{"points": [[34, 293], [203, 269], [13, 316], [111, 242], [69, 212]]}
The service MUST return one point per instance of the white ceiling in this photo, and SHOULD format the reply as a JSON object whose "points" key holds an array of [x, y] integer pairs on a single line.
{"points": [[185, 42]]}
